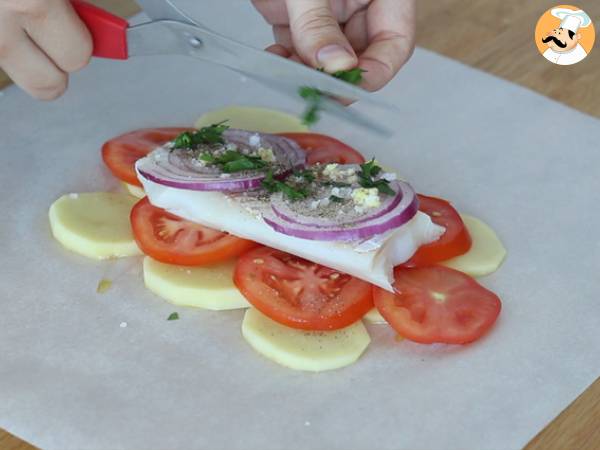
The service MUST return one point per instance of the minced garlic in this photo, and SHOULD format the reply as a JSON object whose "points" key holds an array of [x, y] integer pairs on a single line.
{"points": [[366, 197], [266, 154]]}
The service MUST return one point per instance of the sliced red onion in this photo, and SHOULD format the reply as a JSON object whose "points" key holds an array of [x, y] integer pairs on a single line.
{"points": [[180, 170], [282, 210], [404, 210]]}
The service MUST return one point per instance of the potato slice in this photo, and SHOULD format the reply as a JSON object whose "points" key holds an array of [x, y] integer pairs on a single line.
{"points": [[313, 351], [136, 191], [486, 253], [94, 224], [202, 287], [254, 119], [374, 317]]}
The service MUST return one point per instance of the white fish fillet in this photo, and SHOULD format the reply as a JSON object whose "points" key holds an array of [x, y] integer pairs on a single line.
{"points": [[372, 260]]}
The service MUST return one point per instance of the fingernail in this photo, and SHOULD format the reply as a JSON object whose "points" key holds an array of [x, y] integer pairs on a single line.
{"points": [[335, 57]]}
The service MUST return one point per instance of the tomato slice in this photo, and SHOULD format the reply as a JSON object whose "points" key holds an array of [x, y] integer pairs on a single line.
{"points": [[121, 152], [299, 293], [173, 240], [437, 304], [455, 241], [323, 149]]}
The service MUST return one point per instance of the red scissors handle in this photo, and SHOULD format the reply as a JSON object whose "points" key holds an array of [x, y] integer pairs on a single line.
{"points": [[109, 32]]}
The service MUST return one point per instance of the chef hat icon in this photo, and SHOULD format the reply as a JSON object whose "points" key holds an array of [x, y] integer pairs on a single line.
{"points": [[571, 19]]}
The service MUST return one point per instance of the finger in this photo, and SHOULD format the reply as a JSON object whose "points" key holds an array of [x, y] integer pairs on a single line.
{"points": [[356, 31], [284, 52], [283, 36], [56, 28], [294, 57], [28, 66], [391, 26], [279, 50], [273, 11], [317, 36]]}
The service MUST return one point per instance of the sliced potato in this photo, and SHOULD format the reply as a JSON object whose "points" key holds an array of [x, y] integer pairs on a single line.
{"points": [[136, 191], [486, 253], [94, 224], [202, 287], [254, 119], [374, 317], [313, 351]]}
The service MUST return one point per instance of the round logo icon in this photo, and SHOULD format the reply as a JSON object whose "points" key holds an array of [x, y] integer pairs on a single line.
{"points": [[565, 35]]}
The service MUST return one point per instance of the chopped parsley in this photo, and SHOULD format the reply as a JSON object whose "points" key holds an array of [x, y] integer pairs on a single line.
{"points": [[313, 104], [366, 178], [212, 134], [233, 161], [307, 174], [335, 199], [314, 97], [352, 76], [173, 316], [369, 169], [339, 184], [292, 192]]}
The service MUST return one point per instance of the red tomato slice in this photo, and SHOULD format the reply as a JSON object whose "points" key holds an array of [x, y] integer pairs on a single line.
{"points": [[300, 293], [173, 240], [437, 304], [454, 242], [325, 149], [121, 153]]}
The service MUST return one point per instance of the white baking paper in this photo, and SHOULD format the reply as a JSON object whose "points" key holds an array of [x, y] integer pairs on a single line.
{"points": [[73, 376]]}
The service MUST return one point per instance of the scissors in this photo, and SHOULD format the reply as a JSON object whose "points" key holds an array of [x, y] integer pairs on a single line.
{"points": [[171, 31]]}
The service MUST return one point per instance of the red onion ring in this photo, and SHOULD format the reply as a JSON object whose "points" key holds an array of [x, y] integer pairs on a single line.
{"points": [[170, 169], [283, 211], [404, 211]]}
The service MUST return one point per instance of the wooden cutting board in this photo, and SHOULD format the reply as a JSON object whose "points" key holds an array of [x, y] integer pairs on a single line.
{"points": [[497, 37]]}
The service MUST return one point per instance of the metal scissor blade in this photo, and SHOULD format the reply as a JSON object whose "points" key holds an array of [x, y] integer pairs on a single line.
{"points": [[330, 106], [164, 10], [238, 56], [200, 42], [348, 114]]}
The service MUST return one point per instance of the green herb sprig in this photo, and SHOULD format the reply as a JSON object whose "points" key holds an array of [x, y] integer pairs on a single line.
{"points": [[212, 134], [233, 161], [173, 316], [366, 178], [314, 97], [352, 76], [273, 185], [338, 184], [307, 174]]}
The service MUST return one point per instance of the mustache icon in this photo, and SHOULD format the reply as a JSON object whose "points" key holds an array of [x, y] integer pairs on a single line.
{"points": [[556, 41]]}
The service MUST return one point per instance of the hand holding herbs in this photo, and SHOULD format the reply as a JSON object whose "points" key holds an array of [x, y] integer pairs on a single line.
{"points": [[333, 34]]}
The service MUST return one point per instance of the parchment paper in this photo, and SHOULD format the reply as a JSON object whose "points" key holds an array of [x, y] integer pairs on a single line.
{"points": [[71, 377]]}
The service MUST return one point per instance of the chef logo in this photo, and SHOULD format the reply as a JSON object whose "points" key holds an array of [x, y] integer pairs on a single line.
{"points": [[565, 35]]}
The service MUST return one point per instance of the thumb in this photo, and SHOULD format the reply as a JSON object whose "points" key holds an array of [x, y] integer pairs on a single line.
{"points": [[317, 36]]}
